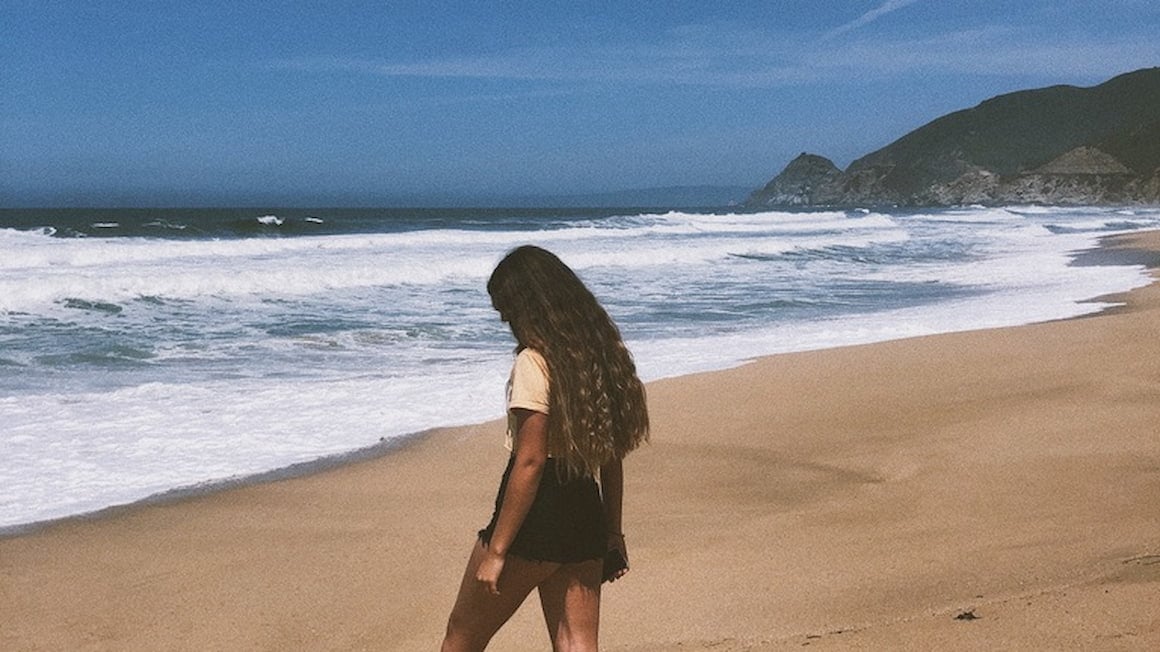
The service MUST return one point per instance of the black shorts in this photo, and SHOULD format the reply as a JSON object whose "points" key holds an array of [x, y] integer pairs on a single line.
{"points": [[565, 523]]}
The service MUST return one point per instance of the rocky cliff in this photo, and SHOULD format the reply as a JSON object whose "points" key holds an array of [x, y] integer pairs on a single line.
{"points": [[1056, 145]]}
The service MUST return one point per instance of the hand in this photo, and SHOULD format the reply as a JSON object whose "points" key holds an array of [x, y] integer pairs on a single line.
{"points": [[489, 570], [616, 542]]}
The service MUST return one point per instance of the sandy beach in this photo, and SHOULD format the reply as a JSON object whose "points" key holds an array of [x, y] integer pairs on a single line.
{"points": [[985, 490]]}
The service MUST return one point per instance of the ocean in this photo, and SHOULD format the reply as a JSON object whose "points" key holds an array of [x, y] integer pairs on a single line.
{"points": [[145, 352]]}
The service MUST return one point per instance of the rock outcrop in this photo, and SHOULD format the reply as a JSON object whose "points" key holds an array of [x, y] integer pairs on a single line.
{"points": [[1084, 160], [807, 180], [1056, 145]]}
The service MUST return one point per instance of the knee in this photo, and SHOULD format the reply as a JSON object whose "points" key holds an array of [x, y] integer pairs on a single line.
{"points": [[459, 641], [460, 636], [575, 641]]}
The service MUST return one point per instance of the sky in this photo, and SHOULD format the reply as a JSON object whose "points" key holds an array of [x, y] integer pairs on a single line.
{"points": [[346, 103]]}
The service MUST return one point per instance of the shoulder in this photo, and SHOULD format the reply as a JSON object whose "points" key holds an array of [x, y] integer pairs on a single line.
{"points": [[527, 358], [528, 387]]}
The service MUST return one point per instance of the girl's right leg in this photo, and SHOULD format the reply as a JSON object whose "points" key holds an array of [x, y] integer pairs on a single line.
{"points": [[570, 599], [477, 614]]}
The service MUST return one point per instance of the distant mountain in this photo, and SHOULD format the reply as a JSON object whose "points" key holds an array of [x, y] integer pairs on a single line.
{"points": [[670, 197], [647, 198], [1055, 145]]}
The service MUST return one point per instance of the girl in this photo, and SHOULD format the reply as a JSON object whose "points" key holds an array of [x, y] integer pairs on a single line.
{"points": [[575, 409]]}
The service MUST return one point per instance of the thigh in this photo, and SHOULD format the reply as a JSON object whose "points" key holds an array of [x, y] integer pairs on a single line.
{"points": [[570, 598], [478, 614]]}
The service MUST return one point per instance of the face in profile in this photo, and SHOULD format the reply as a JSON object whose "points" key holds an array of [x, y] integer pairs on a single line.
{"points": [[505, 316], [530, 288]]}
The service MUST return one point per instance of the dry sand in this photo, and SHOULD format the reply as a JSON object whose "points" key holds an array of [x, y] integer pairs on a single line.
{"points": [[996, 489]]}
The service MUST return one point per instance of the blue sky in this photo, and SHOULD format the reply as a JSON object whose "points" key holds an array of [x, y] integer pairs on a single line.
{"points": [[364, 103]]}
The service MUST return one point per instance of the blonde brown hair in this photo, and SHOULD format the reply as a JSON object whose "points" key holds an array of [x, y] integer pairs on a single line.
{"points": [[597, 402]]}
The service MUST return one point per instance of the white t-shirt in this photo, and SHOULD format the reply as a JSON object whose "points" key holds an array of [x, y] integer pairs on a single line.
{"points": [[527, 389]]}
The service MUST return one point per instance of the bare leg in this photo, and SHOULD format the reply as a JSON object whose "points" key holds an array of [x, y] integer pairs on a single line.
{"points": [[570, 598], [477, 614]]}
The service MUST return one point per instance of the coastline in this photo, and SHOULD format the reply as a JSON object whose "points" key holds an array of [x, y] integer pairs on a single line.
{"points": [[852, 497]]}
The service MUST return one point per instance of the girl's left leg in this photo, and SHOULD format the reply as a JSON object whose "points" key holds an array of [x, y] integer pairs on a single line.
{"points": [[570, 598]]}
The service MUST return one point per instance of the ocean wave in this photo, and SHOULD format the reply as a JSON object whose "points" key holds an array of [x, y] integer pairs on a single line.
{"points": [[165, 224], [139, 364], [92, 306], [1109, 224], [99, 356], [983, 215], [118, 271], [10, 235]]}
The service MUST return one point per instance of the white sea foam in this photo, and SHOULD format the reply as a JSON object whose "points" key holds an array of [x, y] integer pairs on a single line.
{"points": [[73, 453], [120, 270], [973, 216]]}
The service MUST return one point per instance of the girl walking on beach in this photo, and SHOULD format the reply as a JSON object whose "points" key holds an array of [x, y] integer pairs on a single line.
{"points": [[575, 408]]}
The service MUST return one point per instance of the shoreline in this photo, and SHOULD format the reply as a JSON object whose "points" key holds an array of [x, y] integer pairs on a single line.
{"points": [[846, 498], [385, 446], [1104, 253]]}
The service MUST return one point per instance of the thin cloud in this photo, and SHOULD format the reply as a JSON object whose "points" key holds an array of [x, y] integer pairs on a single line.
{"points": [[994, 51], [887, 7], [768, 60]]}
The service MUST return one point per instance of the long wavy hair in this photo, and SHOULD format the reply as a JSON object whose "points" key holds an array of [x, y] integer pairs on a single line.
{"points": [[597, 402]]}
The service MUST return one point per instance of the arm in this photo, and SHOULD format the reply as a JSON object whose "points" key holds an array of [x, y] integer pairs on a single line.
{"points": [[531, 454], [612, 492]]}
